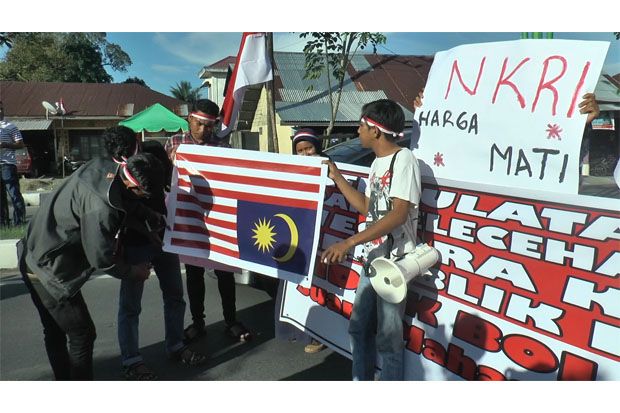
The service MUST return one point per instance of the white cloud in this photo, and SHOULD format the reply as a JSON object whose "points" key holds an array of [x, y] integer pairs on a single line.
{"points": [[199, 48], [288, 42], [166, 68]]}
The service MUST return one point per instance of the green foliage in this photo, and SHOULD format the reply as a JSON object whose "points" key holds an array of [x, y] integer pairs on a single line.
{"points": [[136, 80], [330, 53], [61, 57], [6, 39], [183, 90], [537, 35], [13, 232]]}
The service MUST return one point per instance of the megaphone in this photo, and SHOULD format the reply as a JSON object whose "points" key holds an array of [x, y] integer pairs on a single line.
{"points": [[389, 277]]}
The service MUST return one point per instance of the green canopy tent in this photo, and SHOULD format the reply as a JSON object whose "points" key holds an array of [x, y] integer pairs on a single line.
{"points": [[154, 119]]}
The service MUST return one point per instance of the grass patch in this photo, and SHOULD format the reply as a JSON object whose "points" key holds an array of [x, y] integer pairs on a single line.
{"points": [[39, 184], [13, 232]]}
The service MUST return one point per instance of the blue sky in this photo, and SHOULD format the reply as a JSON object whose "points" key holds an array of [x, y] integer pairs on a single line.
{"points": [[163, 59]]}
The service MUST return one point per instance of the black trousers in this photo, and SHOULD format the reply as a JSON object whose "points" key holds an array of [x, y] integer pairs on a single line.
{"points": [[68, 330], [196, 293]]}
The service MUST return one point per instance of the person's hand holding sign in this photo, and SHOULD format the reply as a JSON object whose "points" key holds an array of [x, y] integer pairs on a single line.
{"points": [[337, 252], [588, 105], [417, 103]]}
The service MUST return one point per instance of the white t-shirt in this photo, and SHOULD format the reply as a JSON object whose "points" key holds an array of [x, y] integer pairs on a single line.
{"points": [[406, 185]]}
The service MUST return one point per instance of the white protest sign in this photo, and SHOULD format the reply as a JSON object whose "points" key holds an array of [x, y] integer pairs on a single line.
{"points": [[325, 306], [527, 288], [507, 113]]}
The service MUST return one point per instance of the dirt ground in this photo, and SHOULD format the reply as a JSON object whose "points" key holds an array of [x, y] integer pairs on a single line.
{"points": [[39, 184]]}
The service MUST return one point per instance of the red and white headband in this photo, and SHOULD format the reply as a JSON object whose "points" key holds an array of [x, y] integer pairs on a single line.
{"points": [[128, 174], [382, 128], [304, 135], [204, 116], [130, 177]]}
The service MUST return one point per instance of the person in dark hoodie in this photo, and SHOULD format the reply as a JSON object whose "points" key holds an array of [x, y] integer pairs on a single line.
{"points": [[73, 234], [144, 244]]}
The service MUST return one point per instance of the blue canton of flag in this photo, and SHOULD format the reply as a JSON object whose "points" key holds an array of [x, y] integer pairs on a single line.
{"points": [[276, 236]]}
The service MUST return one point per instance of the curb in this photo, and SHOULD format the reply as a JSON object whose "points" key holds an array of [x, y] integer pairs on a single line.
{"points": [[34, 198], [8, 261], [8, 253]]}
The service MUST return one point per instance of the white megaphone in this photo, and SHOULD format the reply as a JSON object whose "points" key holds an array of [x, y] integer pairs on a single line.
{"points": [[389, 277]]}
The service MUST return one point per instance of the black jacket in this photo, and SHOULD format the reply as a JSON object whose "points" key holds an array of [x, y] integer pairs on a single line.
{"points": [[74, 232]]}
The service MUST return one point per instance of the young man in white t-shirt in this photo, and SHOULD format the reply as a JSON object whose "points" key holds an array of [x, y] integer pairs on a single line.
{"points": [[391, 207]]}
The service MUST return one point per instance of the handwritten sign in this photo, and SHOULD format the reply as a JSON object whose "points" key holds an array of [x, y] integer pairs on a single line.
{"points": [[507, 113]]}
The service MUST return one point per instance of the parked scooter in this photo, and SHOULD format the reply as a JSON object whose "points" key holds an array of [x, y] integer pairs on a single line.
{"points": [[71, 166]]}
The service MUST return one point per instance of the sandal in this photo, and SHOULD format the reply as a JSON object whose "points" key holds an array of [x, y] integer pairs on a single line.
{"points": [[138, 371], [238, 332], [189, 357], [194, 331], [314, 347]]}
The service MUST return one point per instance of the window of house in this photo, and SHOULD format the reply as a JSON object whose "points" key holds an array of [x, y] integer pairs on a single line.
{"points": [[86, 144]]}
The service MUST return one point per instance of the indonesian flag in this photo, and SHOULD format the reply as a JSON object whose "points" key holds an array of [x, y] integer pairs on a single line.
{"points": [[252, 67]]}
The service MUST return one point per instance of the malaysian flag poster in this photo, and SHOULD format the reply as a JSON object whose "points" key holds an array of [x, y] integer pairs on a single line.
{"points": [[253, 210]]}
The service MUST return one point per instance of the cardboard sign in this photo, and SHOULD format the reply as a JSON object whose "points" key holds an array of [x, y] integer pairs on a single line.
{"points": [[507, 113]]}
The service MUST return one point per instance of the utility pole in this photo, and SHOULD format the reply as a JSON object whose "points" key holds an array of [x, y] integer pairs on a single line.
{"points": [[272, 134]]}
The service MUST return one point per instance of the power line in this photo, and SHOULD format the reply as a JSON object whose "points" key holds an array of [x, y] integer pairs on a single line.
{"points": [[292, 44], [389, 50]]}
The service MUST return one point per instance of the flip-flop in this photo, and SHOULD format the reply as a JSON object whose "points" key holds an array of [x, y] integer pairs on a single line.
{"points": [[238, 332], [194, 331]]}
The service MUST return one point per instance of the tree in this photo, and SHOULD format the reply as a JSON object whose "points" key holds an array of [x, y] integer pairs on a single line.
{"points": [[184, 91], [136, 80], [6, 39], [61, 57], [331, 52]]}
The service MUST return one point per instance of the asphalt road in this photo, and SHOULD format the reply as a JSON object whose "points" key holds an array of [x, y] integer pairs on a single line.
{"points": [[23, 357], [22, 354]]}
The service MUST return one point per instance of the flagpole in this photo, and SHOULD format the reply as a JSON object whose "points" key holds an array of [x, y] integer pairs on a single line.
{"points": [[272, 133]]}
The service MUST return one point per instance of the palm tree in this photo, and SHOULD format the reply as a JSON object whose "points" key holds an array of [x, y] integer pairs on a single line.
{"points": [[184, 91]]}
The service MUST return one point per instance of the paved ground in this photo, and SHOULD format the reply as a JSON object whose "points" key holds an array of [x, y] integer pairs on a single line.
{"points": [[22, 355]]}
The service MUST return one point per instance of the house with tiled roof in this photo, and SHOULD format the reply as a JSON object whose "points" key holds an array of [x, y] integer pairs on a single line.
{"points": [[303, 102], [89, 108], [214, 78]]}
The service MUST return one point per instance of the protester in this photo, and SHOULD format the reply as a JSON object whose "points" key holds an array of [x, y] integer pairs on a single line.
{"points": [[144, 245], [73, 234], [202, 121], [587, 105], [391, 208], [305, 143], [11, 139], [4, 205]]}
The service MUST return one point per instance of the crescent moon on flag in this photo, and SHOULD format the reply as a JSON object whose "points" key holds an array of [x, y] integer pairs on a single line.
{"points": [[294, 238]]}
